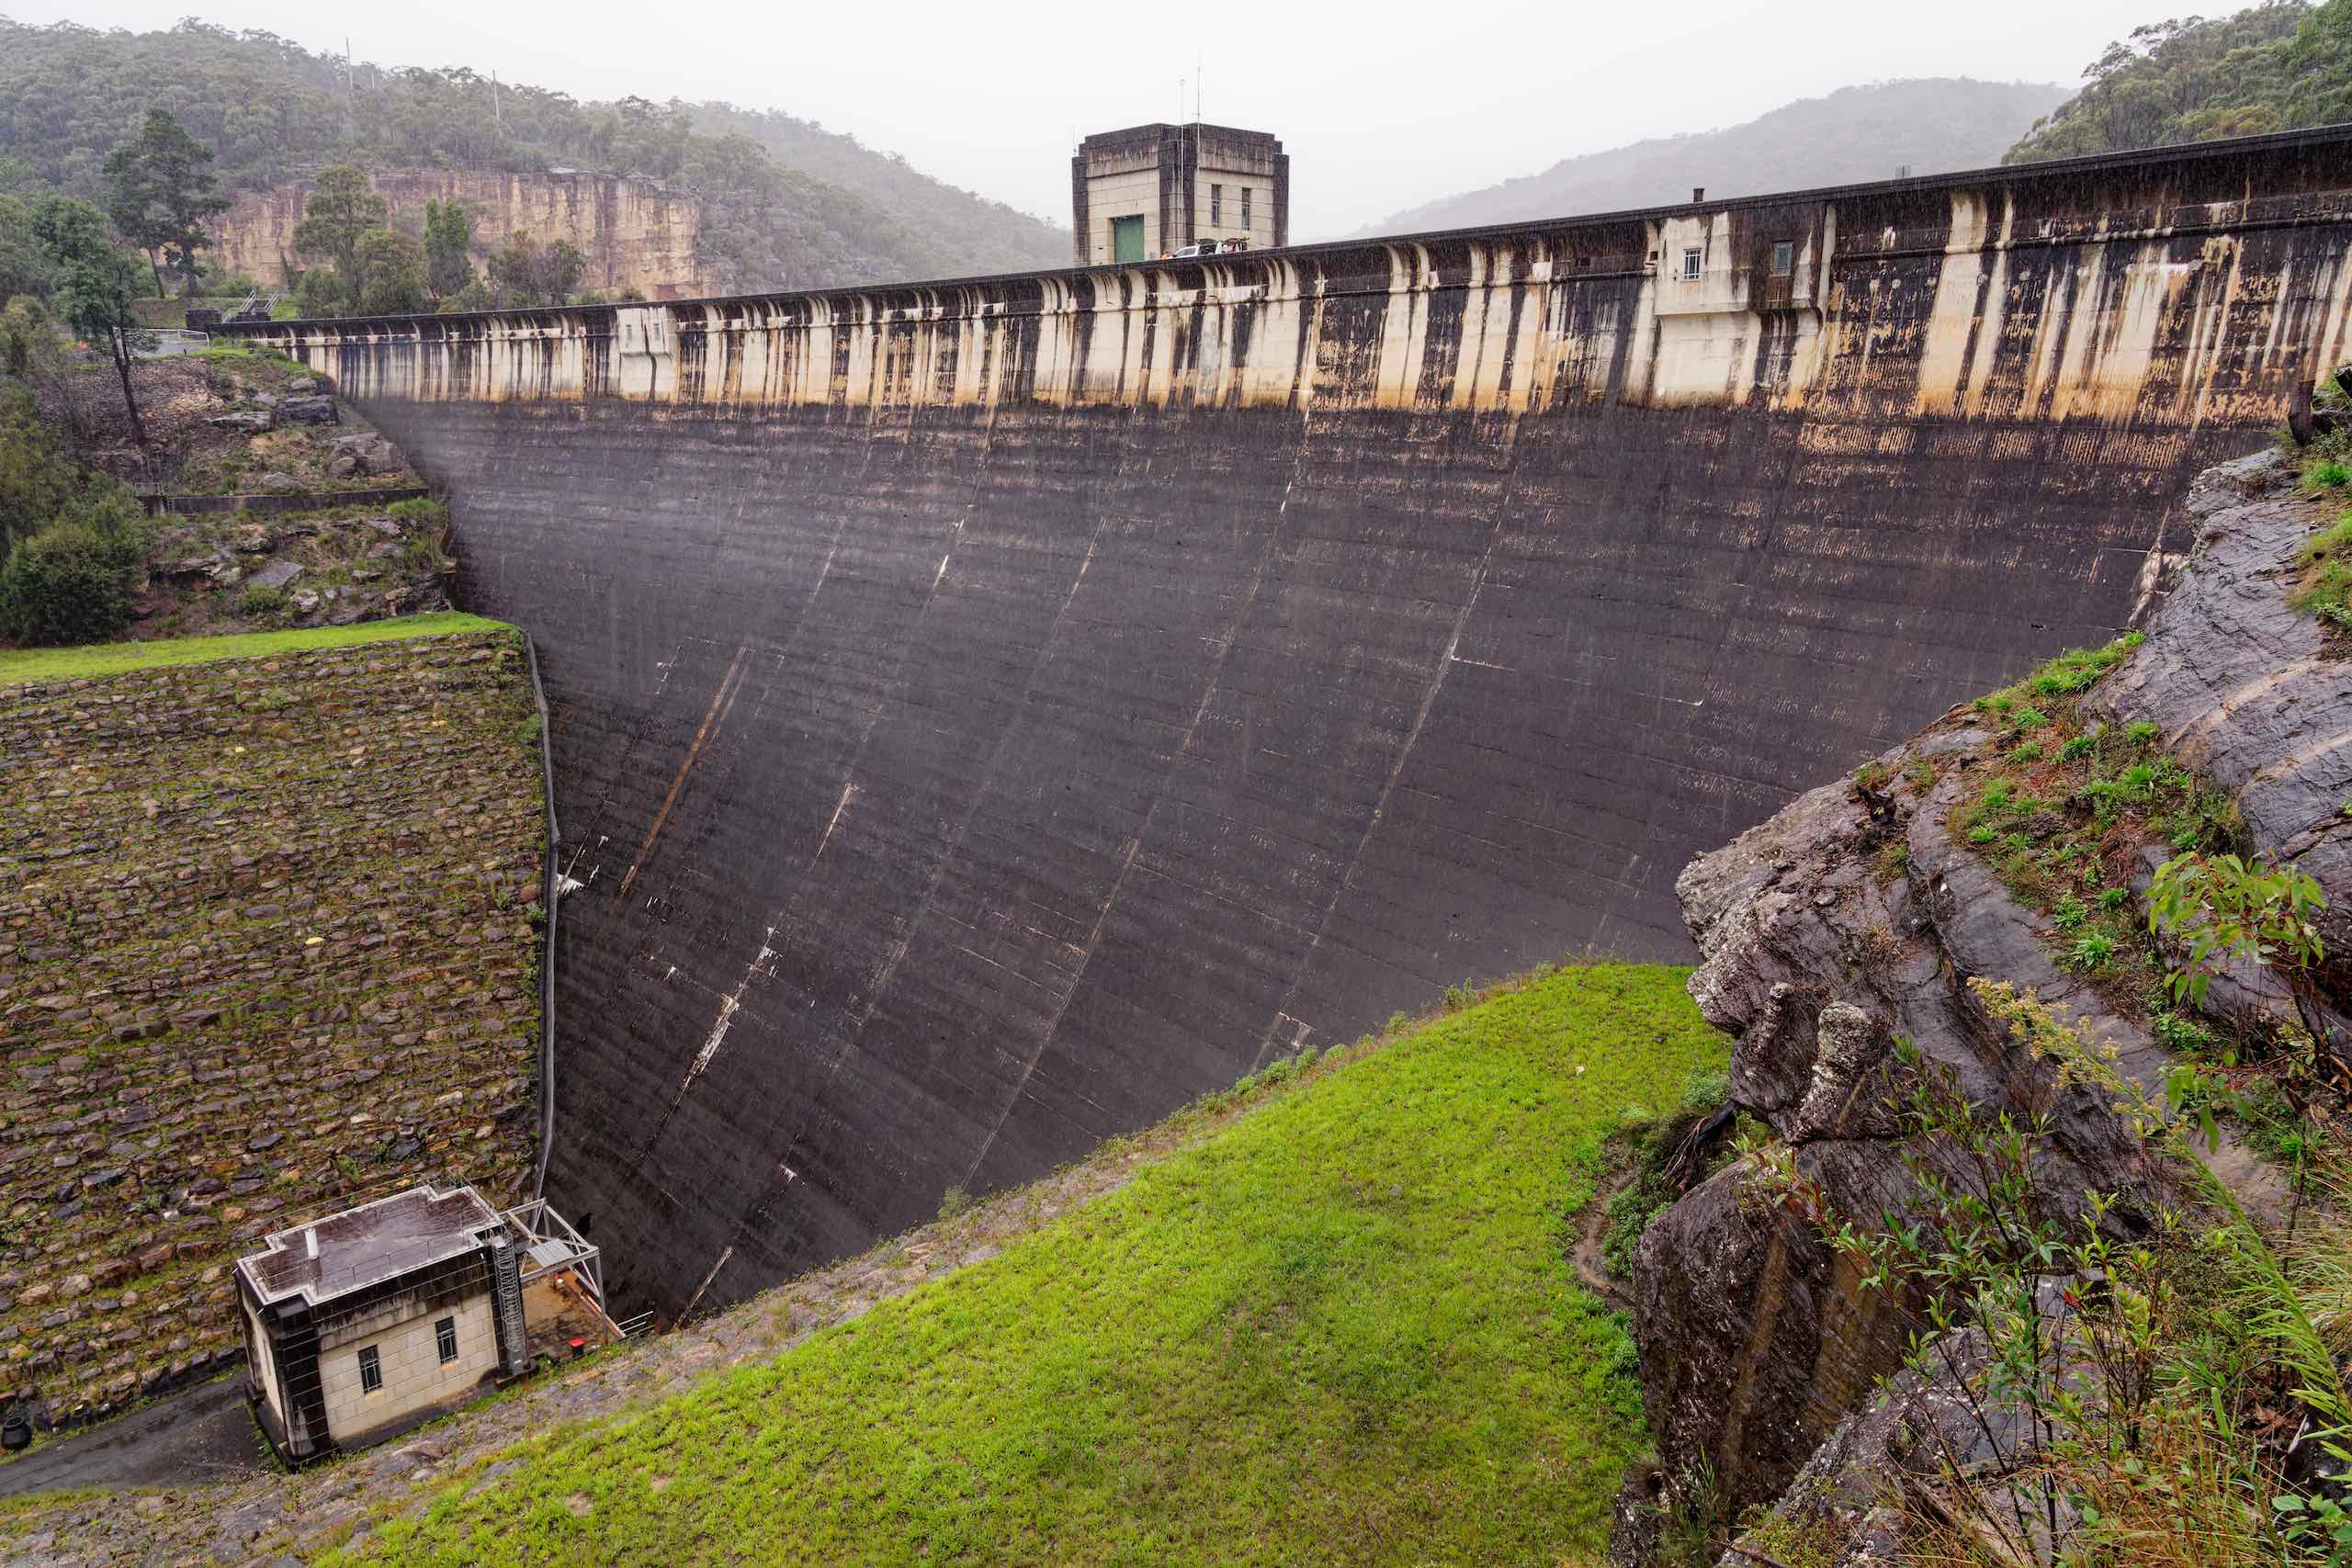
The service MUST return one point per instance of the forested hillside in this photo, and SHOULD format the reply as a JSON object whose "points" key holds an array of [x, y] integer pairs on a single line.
{"points": [[2271, 67], [790, 204], [1855, 134]]}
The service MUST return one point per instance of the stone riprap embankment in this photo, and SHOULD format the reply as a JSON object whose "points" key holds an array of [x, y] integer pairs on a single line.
{"points": [[267, 949]]}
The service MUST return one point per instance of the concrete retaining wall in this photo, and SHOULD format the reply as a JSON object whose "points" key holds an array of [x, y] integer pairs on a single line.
{"points": [[267, 503], [988, 715]]}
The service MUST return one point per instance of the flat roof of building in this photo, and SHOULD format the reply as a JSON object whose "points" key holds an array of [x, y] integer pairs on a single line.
{"points": [[368, 1245], [1154, 129]]}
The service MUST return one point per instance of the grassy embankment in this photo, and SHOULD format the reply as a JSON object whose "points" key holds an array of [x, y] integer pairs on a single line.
{"points": [[1342, 1326], [19, 666]]}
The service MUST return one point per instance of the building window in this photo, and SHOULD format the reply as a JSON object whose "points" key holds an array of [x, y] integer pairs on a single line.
{"points": [[1690, 265], [1217, 206], [371, 1370], [1784, 259], [444, 1335], [1245, 206]]}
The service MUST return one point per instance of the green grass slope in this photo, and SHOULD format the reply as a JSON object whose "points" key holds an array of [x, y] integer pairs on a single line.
{"points": [[20, 665], [1340, 1327]]}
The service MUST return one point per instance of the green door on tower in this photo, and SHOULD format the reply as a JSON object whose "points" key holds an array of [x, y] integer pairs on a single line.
{"points": [[1127, 239]]}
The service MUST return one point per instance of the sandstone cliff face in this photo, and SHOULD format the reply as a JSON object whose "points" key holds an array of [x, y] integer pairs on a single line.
{"points": [[1855, 916], [634, 233]]}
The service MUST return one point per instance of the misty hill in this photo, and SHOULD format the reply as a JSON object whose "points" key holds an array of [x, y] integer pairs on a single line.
{"points": [[792, 204], [1854, 134]]}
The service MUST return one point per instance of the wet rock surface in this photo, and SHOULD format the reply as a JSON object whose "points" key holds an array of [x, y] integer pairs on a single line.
{"points": [[2248, 691], [1853, 918], [333, 568]]}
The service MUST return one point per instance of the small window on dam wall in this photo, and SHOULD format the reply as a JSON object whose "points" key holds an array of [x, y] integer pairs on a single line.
{"points": [[1784, 259], [1690, 265]]}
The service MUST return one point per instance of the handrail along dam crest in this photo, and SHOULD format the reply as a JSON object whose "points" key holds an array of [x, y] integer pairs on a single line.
{"points": [[990, 714]]}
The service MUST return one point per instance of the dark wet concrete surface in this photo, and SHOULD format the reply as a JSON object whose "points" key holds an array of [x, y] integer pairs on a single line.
{"points": [[202, 1435]]}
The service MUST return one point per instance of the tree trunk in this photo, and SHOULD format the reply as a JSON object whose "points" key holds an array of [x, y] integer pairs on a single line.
{"points": [[157, 267], [120, 341]]}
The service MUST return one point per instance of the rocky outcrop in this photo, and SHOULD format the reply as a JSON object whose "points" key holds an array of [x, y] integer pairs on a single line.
{"points": [[2250, 692], [634, 233], [1853, 918]]}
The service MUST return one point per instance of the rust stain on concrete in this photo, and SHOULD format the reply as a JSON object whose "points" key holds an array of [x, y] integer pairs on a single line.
{"points": [[720, 701]]}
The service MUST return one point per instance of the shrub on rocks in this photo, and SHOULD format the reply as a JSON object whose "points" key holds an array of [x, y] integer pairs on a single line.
{"points": [[72, 581]]}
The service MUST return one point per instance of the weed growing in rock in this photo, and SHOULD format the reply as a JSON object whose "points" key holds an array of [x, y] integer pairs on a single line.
{"points": [[2127, 1385], [2092, 950], [2222, 909], [1661, 1156], [2064, 804], [2325, 581], [1687, 1534]]}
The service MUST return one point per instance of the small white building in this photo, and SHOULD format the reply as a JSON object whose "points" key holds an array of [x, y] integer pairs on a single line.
{"points": [[364, 1324]]}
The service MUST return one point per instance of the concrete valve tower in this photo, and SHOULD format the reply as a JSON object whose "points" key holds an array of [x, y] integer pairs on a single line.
{"points": [[1151, 189]]}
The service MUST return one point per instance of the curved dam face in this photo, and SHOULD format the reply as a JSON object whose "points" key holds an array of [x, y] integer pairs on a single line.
{"points": [[990, 715]]}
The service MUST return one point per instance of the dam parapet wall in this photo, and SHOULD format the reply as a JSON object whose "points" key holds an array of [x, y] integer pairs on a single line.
{"points": [[987, 714], [2163, 288]]}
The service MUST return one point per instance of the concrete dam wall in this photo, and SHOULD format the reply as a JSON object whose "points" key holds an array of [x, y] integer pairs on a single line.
{"points": [[988, 715]]}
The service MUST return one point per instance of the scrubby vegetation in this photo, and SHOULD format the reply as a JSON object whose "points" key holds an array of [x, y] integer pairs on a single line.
{"points": [[2148, 1375], [2061, 803], [2273, 66], [1649, 1143], [2062, 806], [1343, 1322], [2155, 1379], [73, 580]]}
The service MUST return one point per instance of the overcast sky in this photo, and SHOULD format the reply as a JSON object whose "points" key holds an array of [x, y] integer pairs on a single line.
{"points": [[1381, 106]]}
